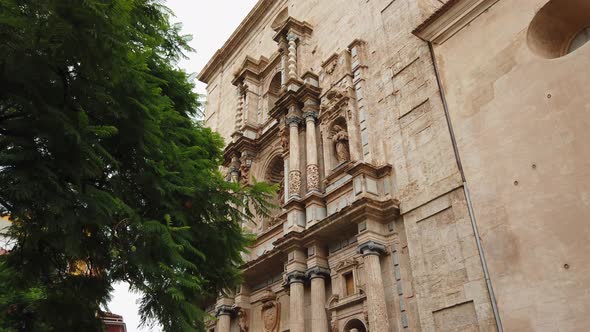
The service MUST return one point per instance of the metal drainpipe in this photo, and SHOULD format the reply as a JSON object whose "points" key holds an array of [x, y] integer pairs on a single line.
{"points": [[482, 256]]}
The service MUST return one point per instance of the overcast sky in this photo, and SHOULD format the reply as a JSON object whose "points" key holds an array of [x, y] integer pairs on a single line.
{"points": [[210, 22]]}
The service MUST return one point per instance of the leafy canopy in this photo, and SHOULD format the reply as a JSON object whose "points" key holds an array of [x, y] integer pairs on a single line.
{"points": [[104, 173]]}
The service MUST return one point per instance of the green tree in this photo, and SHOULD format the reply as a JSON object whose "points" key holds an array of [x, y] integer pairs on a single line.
{"points": [[104, 173]]}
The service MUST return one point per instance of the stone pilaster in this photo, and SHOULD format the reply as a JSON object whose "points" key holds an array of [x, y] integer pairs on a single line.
{"points": [[377, 308], [296, 280], [294, 157], [313, 171], [319, 317], [224, 313]]}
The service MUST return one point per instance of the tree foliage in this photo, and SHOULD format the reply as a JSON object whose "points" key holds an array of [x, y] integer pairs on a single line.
{"points": [[104, 173]]}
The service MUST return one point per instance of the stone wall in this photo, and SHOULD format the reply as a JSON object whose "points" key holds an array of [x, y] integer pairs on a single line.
{"points": [[521, 120]]}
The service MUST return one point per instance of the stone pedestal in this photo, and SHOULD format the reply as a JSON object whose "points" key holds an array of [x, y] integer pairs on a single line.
{"points": [[374, 286], [296, 281]]}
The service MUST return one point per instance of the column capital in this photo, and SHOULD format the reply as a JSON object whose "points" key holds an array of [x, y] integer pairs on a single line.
{"points": [[295, 277], [224, 309], [293, 121], [310, 115], [371, 248], [318, 272]]}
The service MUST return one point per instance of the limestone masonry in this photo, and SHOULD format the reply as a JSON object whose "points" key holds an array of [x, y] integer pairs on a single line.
{"points": [[433, 162]]}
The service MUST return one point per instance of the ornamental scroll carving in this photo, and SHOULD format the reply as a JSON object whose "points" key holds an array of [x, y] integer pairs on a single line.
{"points": [[294, 182], [243, 323], [313, 177], [271, 313]]}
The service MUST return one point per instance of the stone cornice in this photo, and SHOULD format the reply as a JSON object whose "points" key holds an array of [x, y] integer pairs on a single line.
{"points": [[362, 209], [241, 144], [231, 45], [291, 25], [451, 18]]}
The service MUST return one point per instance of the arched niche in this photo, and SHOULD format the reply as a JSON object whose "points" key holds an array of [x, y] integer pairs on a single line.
{"points": [[355, 325], [559, 28], [274, 173], [274, 90]]}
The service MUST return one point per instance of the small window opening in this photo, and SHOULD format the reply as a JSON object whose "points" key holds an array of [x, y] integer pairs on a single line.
{"points": [[349, 282]]}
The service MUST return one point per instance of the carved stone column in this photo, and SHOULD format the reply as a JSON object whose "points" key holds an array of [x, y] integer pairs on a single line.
{"points": [[294, 157], [374, 285], [296, 281], [224, 313], [234, 169], [240, 108], [284, 49], [292, 56], [319, 317], [313, 171]]}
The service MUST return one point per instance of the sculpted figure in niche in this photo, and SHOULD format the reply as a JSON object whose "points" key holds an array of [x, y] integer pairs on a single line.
{"points": [[340, 139]]}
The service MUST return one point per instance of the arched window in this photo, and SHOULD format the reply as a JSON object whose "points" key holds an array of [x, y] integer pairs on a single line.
{"points": [[274, 90], [275, 174]]}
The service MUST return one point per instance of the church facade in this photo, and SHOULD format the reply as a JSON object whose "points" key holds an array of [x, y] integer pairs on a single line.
{"points": [[432, 161]]}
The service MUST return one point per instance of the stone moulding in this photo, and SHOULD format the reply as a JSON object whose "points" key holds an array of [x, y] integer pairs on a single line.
{"points": [[255, 16], [451, 18]]}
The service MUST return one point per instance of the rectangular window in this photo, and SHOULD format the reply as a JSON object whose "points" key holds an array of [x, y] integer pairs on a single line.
{"points": [[349, 282]]}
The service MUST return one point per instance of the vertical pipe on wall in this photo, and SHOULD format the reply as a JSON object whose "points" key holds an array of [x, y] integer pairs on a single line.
{"points": [[480, 250]]}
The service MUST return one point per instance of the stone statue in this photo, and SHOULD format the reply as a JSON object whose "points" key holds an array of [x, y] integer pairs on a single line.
{"points": [[340, 138], [245, 173]]}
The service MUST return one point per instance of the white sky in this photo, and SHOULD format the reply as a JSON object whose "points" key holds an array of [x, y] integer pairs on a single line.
{"points": [[210, 22]]}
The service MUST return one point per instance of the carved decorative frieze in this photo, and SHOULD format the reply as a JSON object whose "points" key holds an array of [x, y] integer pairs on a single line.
{"points": [[313, 177], [333, 100], [294, 183]]}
